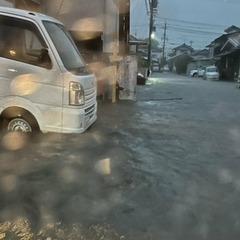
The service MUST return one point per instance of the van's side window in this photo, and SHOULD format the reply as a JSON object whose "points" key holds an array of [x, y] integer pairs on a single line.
{"points": [[21, 41]]}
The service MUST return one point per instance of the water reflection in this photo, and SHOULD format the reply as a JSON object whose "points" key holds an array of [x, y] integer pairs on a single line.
{"points": [[21, 229], [49, 185], [25, 84]]}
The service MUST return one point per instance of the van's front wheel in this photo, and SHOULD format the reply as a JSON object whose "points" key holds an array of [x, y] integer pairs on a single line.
{"points": [[19, 125]]}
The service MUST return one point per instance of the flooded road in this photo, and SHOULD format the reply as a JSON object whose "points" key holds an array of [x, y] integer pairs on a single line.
{"points": [[163, 167]]}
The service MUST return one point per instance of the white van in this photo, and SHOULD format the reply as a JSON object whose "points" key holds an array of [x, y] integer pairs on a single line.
{"points": [[44, 82]]}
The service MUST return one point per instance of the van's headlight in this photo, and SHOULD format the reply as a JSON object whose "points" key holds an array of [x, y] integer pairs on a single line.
{"points": [[76, 94]]}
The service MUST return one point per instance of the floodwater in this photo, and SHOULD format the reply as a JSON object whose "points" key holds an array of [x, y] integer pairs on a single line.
{"points": [[163, 167]]}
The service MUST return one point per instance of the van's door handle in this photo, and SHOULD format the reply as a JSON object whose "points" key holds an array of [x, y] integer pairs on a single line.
{"points": [[12, 70]]}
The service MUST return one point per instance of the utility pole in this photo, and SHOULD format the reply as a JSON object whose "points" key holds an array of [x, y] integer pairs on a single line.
{"points": [[164, 44], [152, 5]]}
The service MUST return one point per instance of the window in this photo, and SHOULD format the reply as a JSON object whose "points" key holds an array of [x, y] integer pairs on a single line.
{"points": [[65, 46], [20, 41], [32, 42]]}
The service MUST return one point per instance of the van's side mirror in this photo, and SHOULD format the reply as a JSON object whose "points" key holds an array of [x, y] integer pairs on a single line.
{"points": [[44, 58]]}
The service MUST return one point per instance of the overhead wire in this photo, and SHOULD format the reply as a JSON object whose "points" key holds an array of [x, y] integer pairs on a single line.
{"points": [[190, 28], [196, 23], [139, 8]]}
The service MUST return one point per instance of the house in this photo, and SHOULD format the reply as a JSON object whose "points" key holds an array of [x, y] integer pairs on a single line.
{"points": [[179, 63], [184, 48], [156, 55], [199, 58], [134, 45], [226, 52], [179, 58]]}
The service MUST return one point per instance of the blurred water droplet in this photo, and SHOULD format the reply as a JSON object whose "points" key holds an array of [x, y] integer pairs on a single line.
{"points": [[14, 140], [103, 167], [9, 183]]}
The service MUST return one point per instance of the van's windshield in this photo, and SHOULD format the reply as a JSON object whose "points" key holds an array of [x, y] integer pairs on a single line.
{"points": [[65, 46]]}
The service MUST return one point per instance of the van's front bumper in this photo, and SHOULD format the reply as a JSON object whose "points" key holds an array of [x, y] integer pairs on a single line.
{"points": [[73, 120], [77, 121]]}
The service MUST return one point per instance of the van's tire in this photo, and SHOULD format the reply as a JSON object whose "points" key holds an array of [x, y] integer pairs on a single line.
{"points": [[19, 125], [18, 119], [195, 75]]}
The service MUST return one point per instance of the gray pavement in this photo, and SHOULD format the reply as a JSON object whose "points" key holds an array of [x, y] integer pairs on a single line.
{"points": [[163, 167]]}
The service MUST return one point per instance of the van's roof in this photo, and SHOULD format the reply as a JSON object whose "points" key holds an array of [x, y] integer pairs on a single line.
{"points": [[29, 14]]}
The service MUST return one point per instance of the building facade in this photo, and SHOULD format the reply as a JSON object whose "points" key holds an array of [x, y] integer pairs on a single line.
{"points": [[92, 23], [226, 52]]}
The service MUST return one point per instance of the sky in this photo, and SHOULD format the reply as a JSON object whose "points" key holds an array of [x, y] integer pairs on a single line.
{"points": [[194, 22]]}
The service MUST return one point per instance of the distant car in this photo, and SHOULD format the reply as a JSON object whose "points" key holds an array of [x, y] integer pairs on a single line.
{"points": [[155, 68], [211, 73], [198, 72], [141, 80], [193, 73], [166, 68]]}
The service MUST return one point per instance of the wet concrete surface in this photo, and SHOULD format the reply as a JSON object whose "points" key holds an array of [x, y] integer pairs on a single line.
{"points": [[164, 167]]}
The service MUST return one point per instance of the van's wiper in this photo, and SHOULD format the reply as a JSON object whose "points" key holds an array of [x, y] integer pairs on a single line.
{"points": [[82, 69]]}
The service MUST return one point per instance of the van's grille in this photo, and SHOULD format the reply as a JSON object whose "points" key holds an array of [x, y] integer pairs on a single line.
{"points": [[89, 109], [90, 95]]}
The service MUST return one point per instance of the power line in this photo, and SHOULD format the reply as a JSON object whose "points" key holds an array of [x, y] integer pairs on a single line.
{"points": [[223, 1], [186, 25], [137, 8], [187, 30], [139, 25], [197, 23], [201, 36]]}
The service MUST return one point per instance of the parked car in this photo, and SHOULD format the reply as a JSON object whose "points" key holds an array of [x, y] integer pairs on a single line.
{"points": [[41, 89], [198, 72], [211, 73], [166, 68], [141, 80], [155, 68]]}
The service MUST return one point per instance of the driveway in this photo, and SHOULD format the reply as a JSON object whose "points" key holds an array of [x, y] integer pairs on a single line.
{"points": [[163, 167]]}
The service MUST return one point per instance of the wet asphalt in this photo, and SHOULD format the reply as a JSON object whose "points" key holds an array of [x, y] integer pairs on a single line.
{"points": [[165, 166]]}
